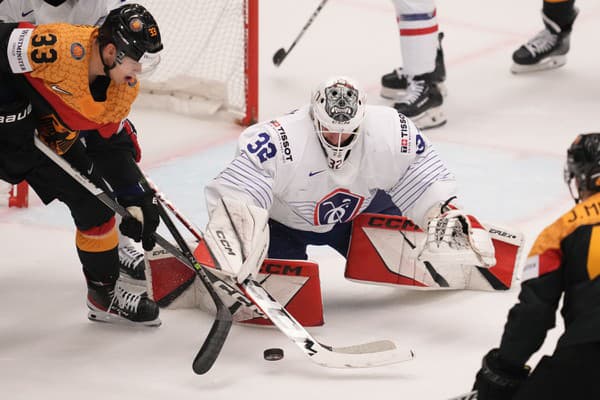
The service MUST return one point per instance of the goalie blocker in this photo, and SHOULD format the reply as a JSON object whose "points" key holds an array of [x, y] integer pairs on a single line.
{"points": [[387, 249]]}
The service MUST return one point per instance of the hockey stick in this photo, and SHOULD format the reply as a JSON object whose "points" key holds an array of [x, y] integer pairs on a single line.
{"points": [[373, 354], [208, 353], [281, 54]]}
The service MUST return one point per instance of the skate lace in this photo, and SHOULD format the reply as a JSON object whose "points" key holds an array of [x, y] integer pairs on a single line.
{"points": [[127, 300], [541, 42], [129, 256], [414, 90]]}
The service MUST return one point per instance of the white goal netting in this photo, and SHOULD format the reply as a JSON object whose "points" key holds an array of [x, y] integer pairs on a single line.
{"points": [[204, 65]]}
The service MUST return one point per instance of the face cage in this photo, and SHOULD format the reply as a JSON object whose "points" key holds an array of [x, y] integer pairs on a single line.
{"points": [[336, 153]]}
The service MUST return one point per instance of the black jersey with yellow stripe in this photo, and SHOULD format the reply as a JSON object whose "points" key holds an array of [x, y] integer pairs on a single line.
{"points": [[565, 259]]}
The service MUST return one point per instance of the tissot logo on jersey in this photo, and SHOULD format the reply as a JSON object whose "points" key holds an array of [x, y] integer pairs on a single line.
{"points": [[337, 207], [404, 135], [284, 144]]}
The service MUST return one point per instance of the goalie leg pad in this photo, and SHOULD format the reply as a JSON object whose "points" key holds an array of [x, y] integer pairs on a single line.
{"points": [[384, 249], [293, 283]]}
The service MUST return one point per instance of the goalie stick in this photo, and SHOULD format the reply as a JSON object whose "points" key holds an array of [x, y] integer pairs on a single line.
{"points": [[372, 354], [208, 353], [281, 54]]}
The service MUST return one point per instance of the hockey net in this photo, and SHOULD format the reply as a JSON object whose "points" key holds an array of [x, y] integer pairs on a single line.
{"points": [[209, 62]]}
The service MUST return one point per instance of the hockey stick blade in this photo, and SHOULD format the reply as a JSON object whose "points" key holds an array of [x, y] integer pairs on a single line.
{"points": [[467, 396], [211, 348], [279, 56], [366, 355]]}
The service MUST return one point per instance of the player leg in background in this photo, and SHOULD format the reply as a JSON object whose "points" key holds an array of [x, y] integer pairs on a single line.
{"points": [[423, 63], [548, 49], [109, 298]]}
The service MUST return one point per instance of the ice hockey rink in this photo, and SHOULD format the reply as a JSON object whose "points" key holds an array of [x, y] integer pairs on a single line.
{"points": [[505, 140]]}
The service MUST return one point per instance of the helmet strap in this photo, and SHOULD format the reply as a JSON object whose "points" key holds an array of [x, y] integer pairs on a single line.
{"points": [[107, 67]]}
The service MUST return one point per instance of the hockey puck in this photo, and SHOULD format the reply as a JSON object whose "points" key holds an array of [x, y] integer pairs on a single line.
{"points": [[273, 354]]}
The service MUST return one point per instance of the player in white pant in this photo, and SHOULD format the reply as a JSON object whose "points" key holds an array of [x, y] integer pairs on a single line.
{"points": [[417, 86], [83, 13]]}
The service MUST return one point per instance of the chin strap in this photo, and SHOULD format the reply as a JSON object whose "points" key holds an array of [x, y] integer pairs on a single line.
{"points": [[107, 67]]}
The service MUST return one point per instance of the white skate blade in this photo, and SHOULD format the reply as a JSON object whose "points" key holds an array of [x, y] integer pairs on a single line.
{"points": [[97, 315], [547, 63], [431, 118]]}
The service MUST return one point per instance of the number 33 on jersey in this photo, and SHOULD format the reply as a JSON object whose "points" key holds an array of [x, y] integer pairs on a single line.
{"points": [[55, 60]]}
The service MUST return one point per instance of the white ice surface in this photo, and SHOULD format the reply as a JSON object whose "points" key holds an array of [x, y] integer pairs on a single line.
{"points": [[505, 139]]}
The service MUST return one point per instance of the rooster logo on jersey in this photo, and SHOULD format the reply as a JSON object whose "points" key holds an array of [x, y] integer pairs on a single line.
{"points": [[337, 207]]}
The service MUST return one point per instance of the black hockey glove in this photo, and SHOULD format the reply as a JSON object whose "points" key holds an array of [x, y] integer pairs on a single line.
{"points": [[144, 220], [498, 379]]}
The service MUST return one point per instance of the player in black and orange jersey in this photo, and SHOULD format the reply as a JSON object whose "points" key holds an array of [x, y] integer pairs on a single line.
{"points": [[63, 80], [564, 260]]}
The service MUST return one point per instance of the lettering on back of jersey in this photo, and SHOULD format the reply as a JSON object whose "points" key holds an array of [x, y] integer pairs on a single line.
{"points": [[337, 207]]}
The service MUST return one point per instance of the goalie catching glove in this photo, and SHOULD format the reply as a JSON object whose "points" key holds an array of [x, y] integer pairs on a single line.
{"points": [[238, 237], [458, 237]]}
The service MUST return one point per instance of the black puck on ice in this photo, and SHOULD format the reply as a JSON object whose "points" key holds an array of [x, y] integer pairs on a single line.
{"points": [[273, 354]]}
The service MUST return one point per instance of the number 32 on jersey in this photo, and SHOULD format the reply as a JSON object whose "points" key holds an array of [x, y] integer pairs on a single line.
{"points": [[262, 147]]}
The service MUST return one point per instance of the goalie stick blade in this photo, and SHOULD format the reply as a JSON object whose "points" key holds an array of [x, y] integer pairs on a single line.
{"points": [[373, 354], [467, 396], [211, 348], [366, 355]]}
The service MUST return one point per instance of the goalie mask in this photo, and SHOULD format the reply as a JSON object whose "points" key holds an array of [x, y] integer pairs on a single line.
{"points": [[582, 171], [338, 110], [134, 32]]}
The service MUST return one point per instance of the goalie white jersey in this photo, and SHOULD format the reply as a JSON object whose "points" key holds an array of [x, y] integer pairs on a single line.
{"points": [[73, 12], [280, 166]]}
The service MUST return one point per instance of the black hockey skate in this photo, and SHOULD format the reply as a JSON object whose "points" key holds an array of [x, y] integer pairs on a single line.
{"points": [[395, 83], [132, 265], [546, 50], [422, 103], [121, 304]]}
